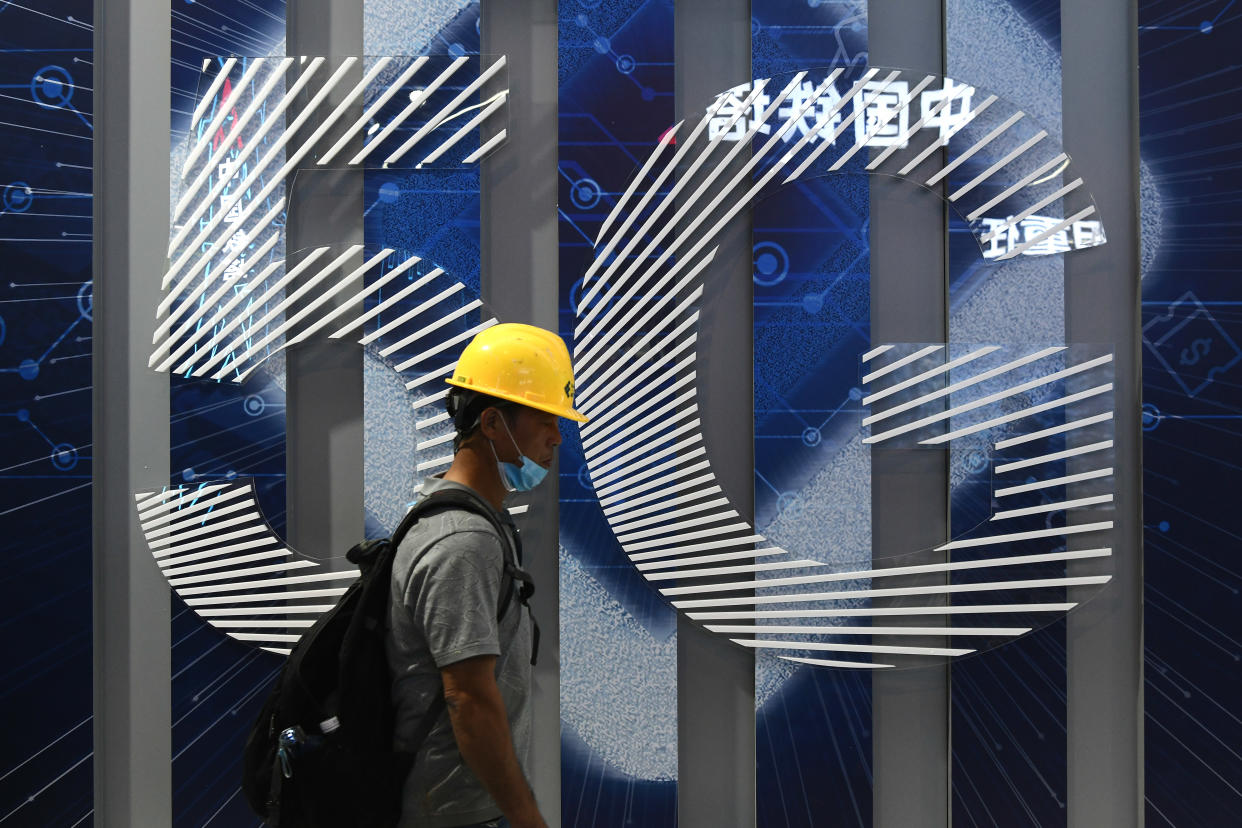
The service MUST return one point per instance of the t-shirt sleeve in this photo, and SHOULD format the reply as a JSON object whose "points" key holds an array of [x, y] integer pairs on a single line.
{"points": [[453, 595]]}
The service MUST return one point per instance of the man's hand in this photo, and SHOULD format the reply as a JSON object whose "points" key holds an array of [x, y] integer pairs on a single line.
{"points": [[481, 726]]}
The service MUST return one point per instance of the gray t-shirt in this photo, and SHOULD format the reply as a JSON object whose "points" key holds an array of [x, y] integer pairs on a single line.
{"points": [[446, 581]]}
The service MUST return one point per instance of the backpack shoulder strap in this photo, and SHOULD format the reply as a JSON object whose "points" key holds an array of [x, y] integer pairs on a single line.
{"points": [[455, 498], [470, 501]]}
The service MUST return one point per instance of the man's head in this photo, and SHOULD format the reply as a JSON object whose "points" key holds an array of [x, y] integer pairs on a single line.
{"points": [[511, 430], [510, 386]]}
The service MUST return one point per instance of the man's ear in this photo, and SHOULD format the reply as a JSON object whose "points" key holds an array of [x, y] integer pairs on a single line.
{"points": [[489, 423]]}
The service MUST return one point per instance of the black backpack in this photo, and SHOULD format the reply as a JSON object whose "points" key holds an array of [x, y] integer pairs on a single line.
{"points": [[320, 753]]}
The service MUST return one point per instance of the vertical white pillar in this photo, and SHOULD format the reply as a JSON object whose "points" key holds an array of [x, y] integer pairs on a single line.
{"points": [[716, 678], [324, 409], [518, 243], [1104, 637], [132, 647], [909, 486]]}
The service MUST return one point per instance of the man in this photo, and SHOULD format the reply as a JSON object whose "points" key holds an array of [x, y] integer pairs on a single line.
{"points": [[510, 387]]}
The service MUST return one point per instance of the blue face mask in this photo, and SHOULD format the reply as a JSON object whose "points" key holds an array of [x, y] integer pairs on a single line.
{"points": [[517, 478]]}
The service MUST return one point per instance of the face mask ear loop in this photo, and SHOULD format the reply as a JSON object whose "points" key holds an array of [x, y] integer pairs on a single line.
{"points": [[504, 481], [511, 440]]}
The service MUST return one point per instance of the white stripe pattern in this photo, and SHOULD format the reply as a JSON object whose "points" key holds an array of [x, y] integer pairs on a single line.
{"points": [[217, 283], [234, 298], [635, 338], [227, 579], [268, 596]]}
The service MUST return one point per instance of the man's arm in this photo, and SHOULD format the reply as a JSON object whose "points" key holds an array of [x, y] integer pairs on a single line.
{"points": [[481, 727]]}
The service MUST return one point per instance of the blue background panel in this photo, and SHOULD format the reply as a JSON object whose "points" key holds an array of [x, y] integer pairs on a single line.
{"points": [[1192, 411], [618, 642], [811, 287], [1008, 705], [45, 419]]}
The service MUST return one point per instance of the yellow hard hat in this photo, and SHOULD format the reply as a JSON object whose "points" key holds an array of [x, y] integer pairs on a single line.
{"points": [[522, 364]]}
